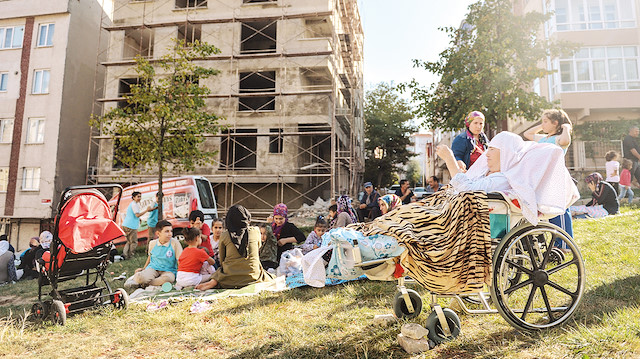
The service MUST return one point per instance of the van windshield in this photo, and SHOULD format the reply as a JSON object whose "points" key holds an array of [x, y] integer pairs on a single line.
{"points": [[206, 196]]}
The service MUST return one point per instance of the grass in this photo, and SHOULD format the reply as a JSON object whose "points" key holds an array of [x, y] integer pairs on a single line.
{"points": [[337, 321]]}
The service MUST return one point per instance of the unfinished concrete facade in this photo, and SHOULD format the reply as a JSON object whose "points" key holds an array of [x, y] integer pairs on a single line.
{"points": [[289, 88], [47, 65]]}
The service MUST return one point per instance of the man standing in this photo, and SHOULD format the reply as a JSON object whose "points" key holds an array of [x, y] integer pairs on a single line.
{"points": [[131, 224], [404, 192], [632, 150], [369, 203], [434, 184]]}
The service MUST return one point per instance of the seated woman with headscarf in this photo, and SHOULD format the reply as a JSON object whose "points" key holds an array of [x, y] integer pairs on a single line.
{"points": [[389, 202], [342, 214], [286, 233], [239, 253], [604, 200]]}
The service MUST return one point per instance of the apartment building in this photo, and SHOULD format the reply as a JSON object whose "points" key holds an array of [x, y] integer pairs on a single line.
{"points": [[47, 64], [601, 80], [289, 90]]}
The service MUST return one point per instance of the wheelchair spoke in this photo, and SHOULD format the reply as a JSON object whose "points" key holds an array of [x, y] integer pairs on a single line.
{"points": [[518, 266], [546, 303], [562, 266], [547, 253], [529, 301], [562, 289], [518, 286], [529, 248]]}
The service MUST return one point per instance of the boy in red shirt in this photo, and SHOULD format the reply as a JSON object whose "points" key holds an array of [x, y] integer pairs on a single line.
{"points": [[194, 264]]}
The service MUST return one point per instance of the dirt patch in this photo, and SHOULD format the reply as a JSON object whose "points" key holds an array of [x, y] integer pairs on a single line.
{"points": [[11, 300]]}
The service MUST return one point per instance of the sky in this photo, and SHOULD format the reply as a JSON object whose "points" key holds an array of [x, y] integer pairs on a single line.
{"points": [[397, 31]]}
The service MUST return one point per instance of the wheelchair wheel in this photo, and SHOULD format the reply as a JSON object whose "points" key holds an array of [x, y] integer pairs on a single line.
{"points": [[58, 313], [400, 307], [548, 290], [436, 333], [123, 300]]}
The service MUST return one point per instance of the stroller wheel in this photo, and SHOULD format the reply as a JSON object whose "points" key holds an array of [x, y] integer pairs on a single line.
{"points": [[400, 306], [123, 299], [39, 311], [58, 313], [436, 332]]}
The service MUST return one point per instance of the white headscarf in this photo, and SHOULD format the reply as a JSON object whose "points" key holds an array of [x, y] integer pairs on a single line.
{"points": [[536, 173], [4, 247], [45, 239]]}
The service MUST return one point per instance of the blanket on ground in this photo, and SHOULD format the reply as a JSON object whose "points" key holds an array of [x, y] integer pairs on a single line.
{"points": [[447, 238]]}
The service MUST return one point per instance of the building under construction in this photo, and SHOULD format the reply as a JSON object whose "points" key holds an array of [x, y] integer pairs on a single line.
{"points": [[289, 90]]}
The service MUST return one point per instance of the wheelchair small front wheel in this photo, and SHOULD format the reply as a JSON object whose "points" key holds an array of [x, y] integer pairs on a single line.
{"points": [[436, 332], [400, 306]]}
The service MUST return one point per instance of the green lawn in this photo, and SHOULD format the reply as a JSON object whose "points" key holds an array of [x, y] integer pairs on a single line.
{"points": [[336, 321]]}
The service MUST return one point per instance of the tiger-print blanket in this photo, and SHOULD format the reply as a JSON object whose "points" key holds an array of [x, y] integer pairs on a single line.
{"points": [[447, 237]]}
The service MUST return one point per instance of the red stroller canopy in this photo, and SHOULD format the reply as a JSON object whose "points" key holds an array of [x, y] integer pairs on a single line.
{"points": [[86, 222]]}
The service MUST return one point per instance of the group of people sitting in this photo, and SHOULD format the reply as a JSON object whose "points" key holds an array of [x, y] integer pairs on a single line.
{"points": [[26, 269]]}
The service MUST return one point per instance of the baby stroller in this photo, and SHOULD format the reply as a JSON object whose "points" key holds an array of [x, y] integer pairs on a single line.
{"points": [[533, 286], [82, 239]]}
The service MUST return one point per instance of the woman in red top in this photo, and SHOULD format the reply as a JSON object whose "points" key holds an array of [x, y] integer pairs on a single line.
{"points": [[192, 269], [196, 220]]}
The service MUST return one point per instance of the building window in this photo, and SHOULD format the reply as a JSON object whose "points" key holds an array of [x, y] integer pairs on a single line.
{"points": [[258, 37], [255, 88], [599, 69], [4, 80], [11, 37], [238, 152], [30, 178], [593, 14], [257, 1], [187, 4], [6, 130], [138, 42], [190, 33], [35, 130], [40, 82], [4, 178], [275, 142], [45, 37], [318, 28]]}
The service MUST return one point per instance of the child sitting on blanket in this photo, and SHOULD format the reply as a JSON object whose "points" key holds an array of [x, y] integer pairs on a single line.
{"points": [[314, 240], [217, 227], [195, 266], [162, 262]]}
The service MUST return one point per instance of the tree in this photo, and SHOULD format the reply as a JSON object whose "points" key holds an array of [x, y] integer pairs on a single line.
{"points": [[387, 128], [414, 173], [492, 62], [165, 119]]}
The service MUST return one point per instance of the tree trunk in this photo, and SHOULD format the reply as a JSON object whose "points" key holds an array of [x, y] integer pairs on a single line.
{"points": [[160, 194]]}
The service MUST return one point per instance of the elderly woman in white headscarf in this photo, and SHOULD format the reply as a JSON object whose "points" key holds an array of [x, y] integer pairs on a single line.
{"points": [[533, 173], [7, 267]]}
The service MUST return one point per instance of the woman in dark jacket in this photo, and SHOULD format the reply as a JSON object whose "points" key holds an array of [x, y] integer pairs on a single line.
{"points": [[471, 143], [286, 233], [603, 193]]}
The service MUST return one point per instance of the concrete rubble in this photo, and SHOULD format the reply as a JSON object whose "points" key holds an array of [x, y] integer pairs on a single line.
{"points": [[413, 338], [384, 319]]}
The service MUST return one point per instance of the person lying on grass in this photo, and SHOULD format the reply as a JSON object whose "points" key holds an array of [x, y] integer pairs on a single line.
{"points": [[239, 253], [162, 263], [195, 266]]}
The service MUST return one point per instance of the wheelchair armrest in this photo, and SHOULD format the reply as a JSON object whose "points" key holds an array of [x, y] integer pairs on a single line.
{"points": [[496, 196]]}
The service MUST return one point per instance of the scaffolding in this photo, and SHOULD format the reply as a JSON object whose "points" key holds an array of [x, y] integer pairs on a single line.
{"points": [[291, 94]]}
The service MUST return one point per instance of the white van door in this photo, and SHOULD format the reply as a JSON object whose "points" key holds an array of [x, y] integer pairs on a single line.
{"points": [[207, 199]]}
